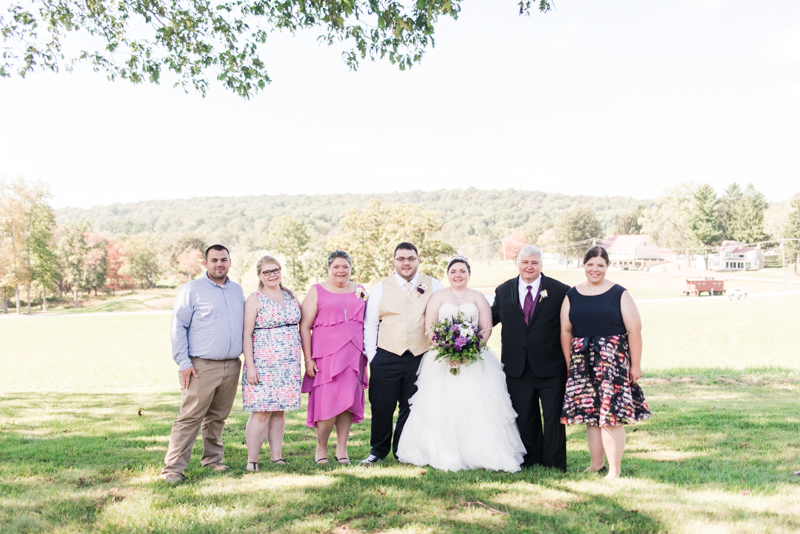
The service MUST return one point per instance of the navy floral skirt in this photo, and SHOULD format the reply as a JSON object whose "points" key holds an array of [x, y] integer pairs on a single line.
{"points": [[599, 389]]}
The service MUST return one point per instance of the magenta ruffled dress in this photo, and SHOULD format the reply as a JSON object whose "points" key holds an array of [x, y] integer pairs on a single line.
{"points": [[337, 347]]}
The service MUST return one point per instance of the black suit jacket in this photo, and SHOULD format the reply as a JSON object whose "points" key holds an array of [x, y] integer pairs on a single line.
{"points": [[541, 340]]}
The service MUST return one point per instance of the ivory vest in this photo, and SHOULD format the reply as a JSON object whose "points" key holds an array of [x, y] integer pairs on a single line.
{"points": [[402, 316]]}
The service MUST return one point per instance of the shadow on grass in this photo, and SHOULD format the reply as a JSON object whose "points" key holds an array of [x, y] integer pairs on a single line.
{"points": [[76, 461]]}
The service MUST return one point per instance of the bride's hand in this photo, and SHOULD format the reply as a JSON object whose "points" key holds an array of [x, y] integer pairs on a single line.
{"points": [[454, 363]]}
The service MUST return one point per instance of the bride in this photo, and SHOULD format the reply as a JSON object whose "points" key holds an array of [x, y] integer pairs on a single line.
{"points": [[462, 421]]}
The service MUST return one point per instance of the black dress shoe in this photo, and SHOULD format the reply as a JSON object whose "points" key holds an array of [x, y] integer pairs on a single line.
{"points": [[371, 459]]}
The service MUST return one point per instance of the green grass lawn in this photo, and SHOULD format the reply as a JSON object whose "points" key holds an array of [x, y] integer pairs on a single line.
{"points": [[87, 403]]}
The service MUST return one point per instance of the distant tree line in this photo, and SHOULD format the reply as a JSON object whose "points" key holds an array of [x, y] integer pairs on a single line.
{"points": [[133, 246], [46, 259]]}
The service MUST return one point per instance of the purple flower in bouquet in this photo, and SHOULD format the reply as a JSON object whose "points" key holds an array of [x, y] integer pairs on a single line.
{"points": [[457, 341]]}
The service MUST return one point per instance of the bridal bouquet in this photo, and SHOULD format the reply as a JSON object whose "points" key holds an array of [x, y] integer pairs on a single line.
{"points": [[457, 341]]}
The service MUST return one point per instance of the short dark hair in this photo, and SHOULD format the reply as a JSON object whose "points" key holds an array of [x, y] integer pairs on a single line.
{"points": [[405, 245], [458, 259], [339, 254], [218, 248], [596, 252]]}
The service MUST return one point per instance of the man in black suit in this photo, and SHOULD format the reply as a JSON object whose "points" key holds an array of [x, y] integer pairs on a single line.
{"points": [[529, 307]]}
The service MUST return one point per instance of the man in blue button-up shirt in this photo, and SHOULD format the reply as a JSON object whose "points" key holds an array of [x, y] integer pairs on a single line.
{"points": [[206, 331]]}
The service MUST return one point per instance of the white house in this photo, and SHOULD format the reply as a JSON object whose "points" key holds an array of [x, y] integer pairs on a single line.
{"points": [[630, 251], [734, 256]]}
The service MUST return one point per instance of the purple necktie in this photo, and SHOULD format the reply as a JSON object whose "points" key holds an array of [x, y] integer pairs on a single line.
{"points": [[530, 305]]}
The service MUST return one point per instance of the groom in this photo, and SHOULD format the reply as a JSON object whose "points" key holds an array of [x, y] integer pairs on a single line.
{"points": [[394, 340], [529, 306]]}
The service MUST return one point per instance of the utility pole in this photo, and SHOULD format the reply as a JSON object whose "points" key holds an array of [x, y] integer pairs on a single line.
{"points": [[783, 261]]}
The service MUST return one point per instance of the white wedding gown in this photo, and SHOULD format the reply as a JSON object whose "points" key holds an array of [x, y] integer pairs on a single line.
{"points": [[462, 421]]}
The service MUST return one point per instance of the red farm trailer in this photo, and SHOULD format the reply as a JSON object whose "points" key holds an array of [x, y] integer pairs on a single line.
{"points": [[704, 284]]}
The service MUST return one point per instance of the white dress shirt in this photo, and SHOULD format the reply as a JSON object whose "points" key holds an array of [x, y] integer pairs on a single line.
{"points": [[523, 290], [372, 315]]}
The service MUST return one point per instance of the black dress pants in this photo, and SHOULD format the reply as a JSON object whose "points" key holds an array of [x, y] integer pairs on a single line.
{"points": [[392, 381], [543, 435]]}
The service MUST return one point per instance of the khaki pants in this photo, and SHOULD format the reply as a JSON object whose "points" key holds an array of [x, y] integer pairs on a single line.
{"points": [[207, 402]]}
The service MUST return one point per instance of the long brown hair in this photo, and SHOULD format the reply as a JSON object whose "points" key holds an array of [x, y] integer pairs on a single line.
{"points": [[261, 263]]}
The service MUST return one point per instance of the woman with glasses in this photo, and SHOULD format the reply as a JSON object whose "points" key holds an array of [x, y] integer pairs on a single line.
{"points": [[272, 371], [332, 331]]}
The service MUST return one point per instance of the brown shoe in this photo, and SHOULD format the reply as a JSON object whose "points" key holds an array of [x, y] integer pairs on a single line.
{"points": [[173, 479], [218, 467]]}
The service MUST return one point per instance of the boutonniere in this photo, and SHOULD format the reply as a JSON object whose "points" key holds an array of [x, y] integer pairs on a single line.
{"points": [[542, 295], [361, 294], [422, 288]]}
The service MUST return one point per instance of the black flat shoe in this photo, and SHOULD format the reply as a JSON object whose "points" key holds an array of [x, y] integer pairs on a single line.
{"points": [[279, 461], [251, 466], [321, 461], [344, 460]]}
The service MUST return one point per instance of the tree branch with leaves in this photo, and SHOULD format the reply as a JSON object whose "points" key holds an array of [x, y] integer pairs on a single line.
{"points": [[199, 41]]}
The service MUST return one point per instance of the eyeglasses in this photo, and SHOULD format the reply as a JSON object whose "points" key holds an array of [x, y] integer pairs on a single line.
{"points": [[275, 272], [410, 259]]}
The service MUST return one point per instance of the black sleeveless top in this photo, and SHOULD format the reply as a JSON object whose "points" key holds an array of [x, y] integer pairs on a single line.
{"points": [[596, 315]]}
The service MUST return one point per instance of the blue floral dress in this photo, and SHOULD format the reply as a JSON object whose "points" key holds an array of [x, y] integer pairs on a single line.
{"points": [[277, 357]]}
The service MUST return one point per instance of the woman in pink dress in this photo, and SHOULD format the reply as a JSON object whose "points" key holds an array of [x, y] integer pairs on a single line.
{"points": [[332, 332]]}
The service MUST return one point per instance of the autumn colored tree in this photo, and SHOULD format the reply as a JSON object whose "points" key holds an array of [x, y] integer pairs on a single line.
{"points": [[178, 251], [96, 262], [190, 264], [511, 246], [115, 263]]}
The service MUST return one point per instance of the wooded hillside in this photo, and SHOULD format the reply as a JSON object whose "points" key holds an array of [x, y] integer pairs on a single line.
{"points": [[230, 220]]}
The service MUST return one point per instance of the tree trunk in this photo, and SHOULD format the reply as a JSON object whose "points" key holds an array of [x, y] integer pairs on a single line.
{"points": [[75, 295], [16, 297], [28, 288], [5, 301], [44, 300]]}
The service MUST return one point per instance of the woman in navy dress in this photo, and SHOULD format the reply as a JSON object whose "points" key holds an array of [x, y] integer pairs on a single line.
{"points": [[601, 336]]}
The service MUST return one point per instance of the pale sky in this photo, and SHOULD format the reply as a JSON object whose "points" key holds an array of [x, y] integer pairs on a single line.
{"points": [[598, 97]]}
